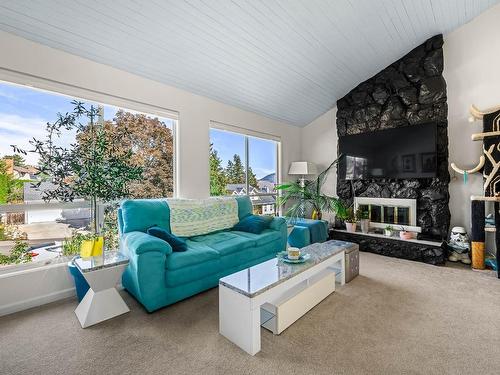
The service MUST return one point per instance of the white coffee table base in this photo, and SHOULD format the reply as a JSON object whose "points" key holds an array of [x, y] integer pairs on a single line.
{"points": [[102, 301], [240, 316]]}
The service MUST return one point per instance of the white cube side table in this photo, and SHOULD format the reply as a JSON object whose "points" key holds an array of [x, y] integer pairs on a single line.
{"points": [[102, 301]]}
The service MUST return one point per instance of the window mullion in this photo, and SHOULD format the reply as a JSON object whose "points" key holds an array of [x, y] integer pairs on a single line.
{"points": [[246, 166]]}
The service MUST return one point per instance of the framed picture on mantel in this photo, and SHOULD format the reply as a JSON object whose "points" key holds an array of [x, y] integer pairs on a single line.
{"points": [[408, 163]]}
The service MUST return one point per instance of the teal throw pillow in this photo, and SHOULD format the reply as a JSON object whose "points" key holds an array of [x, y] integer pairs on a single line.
{"points": [[178, 244], [253, 224]]}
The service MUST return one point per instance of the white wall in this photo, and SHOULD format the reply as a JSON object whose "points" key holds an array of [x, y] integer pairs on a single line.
{"points": [[195, 113], [319, 145], [472, 73]]}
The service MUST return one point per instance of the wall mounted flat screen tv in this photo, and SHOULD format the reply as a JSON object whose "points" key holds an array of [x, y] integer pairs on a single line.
{"points": [[399, 153]]}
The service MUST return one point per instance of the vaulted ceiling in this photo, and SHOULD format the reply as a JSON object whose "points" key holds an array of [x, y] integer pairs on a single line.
{"points": [[286, 59]]}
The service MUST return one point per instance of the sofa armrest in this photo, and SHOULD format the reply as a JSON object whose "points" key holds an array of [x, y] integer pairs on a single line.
{"points": [[140, 243], [278, 223]]}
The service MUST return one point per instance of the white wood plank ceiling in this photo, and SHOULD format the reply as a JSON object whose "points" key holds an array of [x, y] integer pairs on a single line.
{"points": [[286, 59]]}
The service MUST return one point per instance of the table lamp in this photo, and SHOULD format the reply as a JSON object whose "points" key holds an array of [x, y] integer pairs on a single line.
{"points": [[302, 168]]}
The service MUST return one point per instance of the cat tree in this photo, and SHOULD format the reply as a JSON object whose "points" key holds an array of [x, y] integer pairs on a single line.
{"points": [[489, 164]]}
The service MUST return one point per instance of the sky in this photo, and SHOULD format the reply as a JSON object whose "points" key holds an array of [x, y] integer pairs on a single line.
{"points": [[24, 112], [262, 153]]}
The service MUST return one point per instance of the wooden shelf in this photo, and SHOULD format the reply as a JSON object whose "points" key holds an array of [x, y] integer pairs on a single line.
{"points": [[486, 199], [481, 136]]}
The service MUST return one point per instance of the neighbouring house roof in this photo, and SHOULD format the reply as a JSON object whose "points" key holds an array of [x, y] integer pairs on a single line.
{"points": [[26, 169], [33, 194], [240, 189], [262, 200]]}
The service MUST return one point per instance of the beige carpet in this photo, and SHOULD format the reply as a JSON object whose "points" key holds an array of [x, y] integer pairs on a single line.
{"points": [[397, 317]]}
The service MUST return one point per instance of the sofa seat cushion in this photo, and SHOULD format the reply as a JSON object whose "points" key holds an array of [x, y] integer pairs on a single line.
{"points": [[267, 235], [225, 242], [195, 272], [240, 258], [196, 253]]}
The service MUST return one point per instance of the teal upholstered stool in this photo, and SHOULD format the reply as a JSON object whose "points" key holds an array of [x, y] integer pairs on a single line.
{"points": [[308, 231], [299, 237]]}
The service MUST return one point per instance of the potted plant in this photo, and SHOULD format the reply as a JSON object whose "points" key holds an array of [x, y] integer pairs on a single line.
{"points": [[308, 197], [388, 230], [350, 220], [404, 234], [364, 219], [89, 168]]}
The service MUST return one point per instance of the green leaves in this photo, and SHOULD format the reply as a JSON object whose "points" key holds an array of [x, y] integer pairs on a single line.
{"points": [[309, 197], [88, 169]]}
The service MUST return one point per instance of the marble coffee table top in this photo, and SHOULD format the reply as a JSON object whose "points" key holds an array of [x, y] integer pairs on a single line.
{"points": [[257, 279], [111, 259]]}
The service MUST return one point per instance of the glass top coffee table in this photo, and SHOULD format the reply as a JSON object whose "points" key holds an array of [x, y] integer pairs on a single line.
{"points": [[275, 294]]}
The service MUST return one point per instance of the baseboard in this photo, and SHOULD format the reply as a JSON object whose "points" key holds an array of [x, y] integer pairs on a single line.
{"points": [[37, 301]]}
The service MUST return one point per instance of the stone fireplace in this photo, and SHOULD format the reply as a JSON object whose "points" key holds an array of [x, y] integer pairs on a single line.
{"points": [[409, 92]]}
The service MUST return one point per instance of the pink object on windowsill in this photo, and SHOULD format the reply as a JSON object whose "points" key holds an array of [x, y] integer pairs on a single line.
{"points": [[404, 235]]}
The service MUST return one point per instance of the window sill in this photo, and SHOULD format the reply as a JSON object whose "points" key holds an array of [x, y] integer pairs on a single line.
{"points": [[16, 269]]}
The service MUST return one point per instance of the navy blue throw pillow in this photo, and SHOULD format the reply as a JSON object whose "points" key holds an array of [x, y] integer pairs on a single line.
{"points": [[178, 244], [253, 224]]}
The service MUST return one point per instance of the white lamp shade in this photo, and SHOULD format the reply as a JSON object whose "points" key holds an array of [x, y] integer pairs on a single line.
{"points": [[302, 168]]}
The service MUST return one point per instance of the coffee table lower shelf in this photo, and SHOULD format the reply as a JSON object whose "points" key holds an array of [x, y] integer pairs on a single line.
{"points": [[287, 309]]}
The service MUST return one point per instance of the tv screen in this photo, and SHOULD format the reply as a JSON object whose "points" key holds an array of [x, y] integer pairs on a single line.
{"points": [[404, 152]]}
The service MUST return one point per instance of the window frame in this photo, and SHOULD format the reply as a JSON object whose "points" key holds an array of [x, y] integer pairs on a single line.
{"points": [[53, 87], [247, 133], [80, 93]]}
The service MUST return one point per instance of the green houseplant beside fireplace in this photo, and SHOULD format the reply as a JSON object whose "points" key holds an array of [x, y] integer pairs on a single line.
{"points": [[308, 197]]}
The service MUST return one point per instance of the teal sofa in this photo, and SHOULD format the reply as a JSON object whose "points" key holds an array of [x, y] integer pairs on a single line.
{"points": [[156, 276]]}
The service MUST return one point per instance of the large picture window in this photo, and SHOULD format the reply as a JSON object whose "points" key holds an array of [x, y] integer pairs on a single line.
{"points": [[35, 230], [243, 164]]}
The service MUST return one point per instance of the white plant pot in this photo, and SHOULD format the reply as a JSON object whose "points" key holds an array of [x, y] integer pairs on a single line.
{"points": [[351, 227], [365, 225], [388, 233]]}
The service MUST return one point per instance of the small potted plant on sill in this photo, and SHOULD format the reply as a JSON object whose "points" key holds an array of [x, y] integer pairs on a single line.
{"points": [[388, 231], [350, 220], [364, 219], [404, 234]]}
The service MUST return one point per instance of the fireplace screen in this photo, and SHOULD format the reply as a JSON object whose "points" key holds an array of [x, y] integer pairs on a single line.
{"points": [[388, 211], [386, 214]]}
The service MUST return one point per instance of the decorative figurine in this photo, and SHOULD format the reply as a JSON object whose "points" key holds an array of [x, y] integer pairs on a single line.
{"points": [[459, 246]]}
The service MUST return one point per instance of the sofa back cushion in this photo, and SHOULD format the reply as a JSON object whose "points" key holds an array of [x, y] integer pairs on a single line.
{"points": [[194, 217], [141, 214], [245, 207], [253, 224], [176, 243]]}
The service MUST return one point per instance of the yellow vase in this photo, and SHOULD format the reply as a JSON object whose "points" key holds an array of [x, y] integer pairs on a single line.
{"points": [[92, 248], [316, 215]]}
